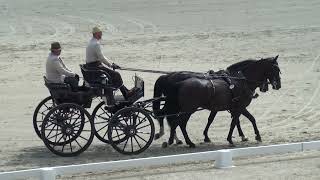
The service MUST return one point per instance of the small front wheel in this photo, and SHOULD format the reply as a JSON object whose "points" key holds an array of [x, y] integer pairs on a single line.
{"points": [[101, 120], [131, 130]]}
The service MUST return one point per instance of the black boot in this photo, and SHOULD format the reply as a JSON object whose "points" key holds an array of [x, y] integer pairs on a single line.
{"points": [[110, 97], [124, 91], [128, 93]]}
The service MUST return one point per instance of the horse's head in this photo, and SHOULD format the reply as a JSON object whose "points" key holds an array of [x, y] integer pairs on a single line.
{"points": [[259, 72], [272, 73]]}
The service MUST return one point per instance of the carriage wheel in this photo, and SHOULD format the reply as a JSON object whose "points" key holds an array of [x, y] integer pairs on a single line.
{"points": [[131, 130], [67, 130], [40, 112], [101, 120]]}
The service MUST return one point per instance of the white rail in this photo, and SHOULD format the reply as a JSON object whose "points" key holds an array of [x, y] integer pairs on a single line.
{"points": [[222, 158]]}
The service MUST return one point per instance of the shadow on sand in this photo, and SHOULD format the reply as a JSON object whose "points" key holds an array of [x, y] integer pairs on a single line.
{"points": [[40, 156]]}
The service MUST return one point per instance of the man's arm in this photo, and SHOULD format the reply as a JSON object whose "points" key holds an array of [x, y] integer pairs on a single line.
{"points": [[62, 70], [101, 57]]}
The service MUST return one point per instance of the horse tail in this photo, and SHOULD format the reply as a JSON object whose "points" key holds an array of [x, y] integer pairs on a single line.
{"points": [[157, 93]]}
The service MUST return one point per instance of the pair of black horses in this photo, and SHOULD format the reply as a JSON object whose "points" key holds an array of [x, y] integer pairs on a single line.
{"points": [[185, 92]]}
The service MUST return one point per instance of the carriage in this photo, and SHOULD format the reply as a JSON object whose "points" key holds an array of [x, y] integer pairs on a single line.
{"points": [[65, 126], [67, 129]]}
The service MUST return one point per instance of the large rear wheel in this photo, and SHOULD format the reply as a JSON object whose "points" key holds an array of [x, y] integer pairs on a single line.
{"points": [[67, 130], [40, 112]]}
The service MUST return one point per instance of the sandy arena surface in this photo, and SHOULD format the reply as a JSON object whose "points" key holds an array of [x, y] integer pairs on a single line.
{"points": [[165, 35], [278, 167]]}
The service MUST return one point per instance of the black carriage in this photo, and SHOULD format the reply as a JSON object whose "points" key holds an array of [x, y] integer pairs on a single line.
{"points": [[67, 128]]}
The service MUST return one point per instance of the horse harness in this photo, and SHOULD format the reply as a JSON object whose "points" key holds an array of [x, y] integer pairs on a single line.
{"points": [[234, 83]]}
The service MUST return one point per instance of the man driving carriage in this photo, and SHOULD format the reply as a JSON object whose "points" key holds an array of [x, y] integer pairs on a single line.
{"points": [[96, 59], [57, 71]]}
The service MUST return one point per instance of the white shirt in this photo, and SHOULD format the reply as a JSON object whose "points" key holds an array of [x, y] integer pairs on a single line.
{"points": [[94, 53], [56, 70]]}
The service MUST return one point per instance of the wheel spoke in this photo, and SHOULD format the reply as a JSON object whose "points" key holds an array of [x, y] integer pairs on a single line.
{"points": [[104, 118], [42, 113], [143, 132], [70, 145], [76, 124], [75, 119], [131, 144], [141, 138], [46, 105], [103, 128], [127, 139], [137, 141], [105, 134], [125, 119], [52, 123], [142, 121], [59, 139], [117, 130], [118, 135], [143, 126], [102, 122], [78, 143], [63, 147], [84, 138], [86, 130], [54, 136], [104, 113], [51, 130]]}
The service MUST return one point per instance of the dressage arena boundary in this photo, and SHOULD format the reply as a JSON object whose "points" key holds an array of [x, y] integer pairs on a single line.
{"points": [[222, 159]]}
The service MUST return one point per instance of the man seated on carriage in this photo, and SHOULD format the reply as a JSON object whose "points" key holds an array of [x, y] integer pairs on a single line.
{"points": [[57, 71], [96, 59]]}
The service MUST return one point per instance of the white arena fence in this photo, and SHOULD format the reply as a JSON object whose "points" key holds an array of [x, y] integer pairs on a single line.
{"points": [[222, 159]]}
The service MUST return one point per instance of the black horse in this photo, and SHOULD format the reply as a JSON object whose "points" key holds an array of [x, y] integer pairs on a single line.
{"points": [[185, 95], [168, 81]]}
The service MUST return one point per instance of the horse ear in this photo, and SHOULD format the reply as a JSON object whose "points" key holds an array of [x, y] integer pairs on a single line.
{"points": [[276, 58]]}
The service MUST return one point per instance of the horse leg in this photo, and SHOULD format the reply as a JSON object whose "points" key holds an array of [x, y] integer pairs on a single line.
{"points": [[161, 131], [247, 114], [178, 141], [183, 120], [173, 125], [235, 120], [243, 137], [210, 120]]}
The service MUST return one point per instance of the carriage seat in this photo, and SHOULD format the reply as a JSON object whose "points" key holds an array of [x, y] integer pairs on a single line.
{"points": [[62, 93], [96, 78]]}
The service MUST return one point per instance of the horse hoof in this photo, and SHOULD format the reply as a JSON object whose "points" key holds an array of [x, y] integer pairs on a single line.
{"points": [[179, 142], [244, 139], [170, 142], [258, 138], [191, 145], [157, 136], [164, 145], [230, 140], [232, 145], [207, 140]]}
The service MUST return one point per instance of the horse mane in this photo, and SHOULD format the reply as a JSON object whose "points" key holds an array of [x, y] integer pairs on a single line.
{"points": [[240, 65]]}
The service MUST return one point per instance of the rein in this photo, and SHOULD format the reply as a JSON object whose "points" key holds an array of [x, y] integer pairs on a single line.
{"points": [[205, 74], [146, 70]]}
